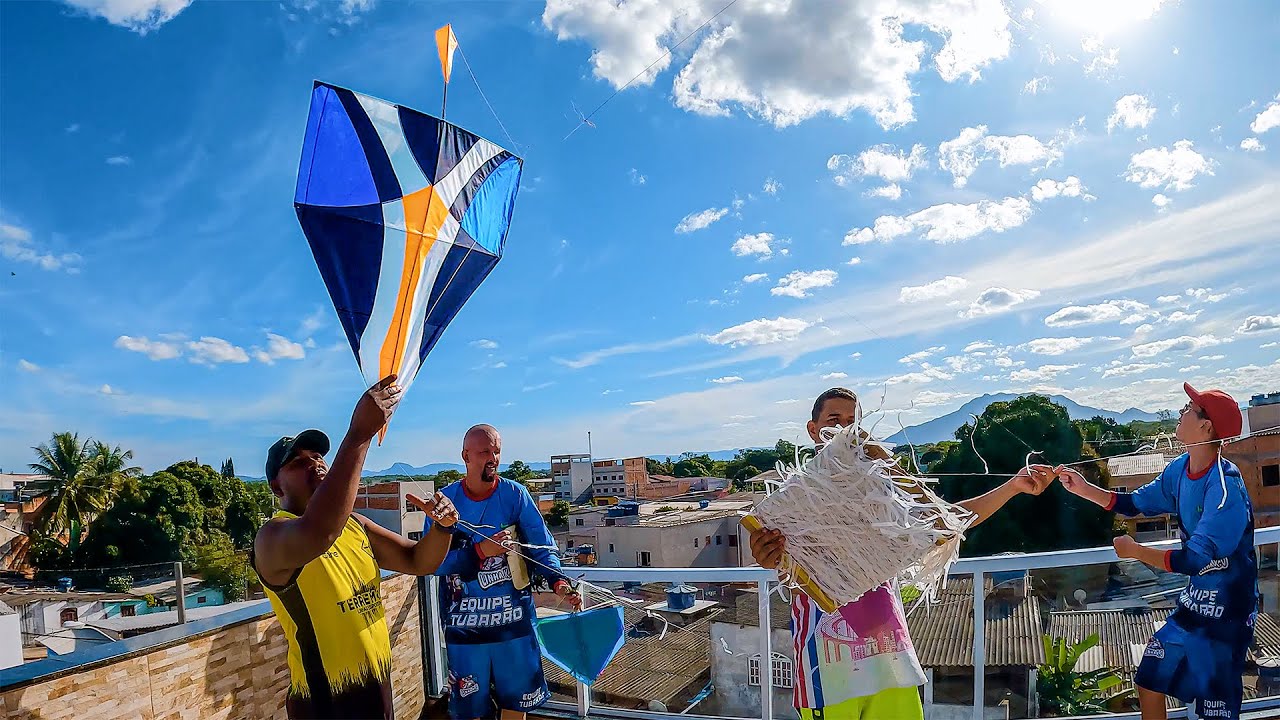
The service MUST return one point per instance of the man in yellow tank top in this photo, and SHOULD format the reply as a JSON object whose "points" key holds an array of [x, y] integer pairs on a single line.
{"points": [[319, 564]]}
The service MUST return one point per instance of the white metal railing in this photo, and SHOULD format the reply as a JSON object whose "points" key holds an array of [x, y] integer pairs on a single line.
{"points": [[978, 567]]}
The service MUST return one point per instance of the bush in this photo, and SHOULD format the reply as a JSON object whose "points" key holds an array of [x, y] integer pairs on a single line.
{"points": [[119, 583]]}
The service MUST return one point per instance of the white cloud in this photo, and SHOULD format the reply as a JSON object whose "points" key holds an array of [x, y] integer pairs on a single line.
{"points": [[214, 350], [154, 349], [772, 187], [978, 345], [854, 261], [1103, 61], [1267, 119], [997, 299], [108, 390], [1055, 346], [962, 155], [787, 62], [885, 162], [755, 277], [834, 376], [758, 244], [1189, 368], [1259, 323], [928, 352], [948, 222], [1270, 344], [1174, 169], [1035, 85], [636, 177], [1071, 187], [26, 366], [797, 284], [1182, 345], [1212, 358], [1160, 200], [855, 356], [119, 160], [140, 16], [1207, 295], [760, 332], [947, 286], [927, 375], [892, 191], [643, 403], [726, 380], [1178, 316], [484, 344], [1166, 299], [278, 348], [1044, 373], [16, 244], [1123, 311], [1132, 111], [700, 220], [1252, 144], [539, 386], [1131, 369]]}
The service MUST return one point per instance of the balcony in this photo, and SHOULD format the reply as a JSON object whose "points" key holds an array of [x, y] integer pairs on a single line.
{"points": [[980, 646]]}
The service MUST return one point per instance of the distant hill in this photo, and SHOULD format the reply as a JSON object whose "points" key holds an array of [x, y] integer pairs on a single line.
{"points": [[944, 428]]}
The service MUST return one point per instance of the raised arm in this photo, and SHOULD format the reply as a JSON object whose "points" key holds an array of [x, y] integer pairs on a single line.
{"points": [[285, 544], [534, 529], [422, 557], [1150, 499]]}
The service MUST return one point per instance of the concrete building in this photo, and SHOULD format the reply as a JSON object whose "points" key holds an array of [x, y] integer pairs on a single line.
{"points": [[659, 534], [1130, 472], [10, 637], [661, 487], [18, 495], [618, 478], [572, 477], [386, 503], [1258, 457]]}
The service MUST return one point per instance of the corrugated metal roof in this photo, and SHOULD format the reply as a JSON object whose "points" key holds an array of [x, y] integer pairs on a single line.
{"points": [[943, 632], [647, 668], [1118, 632], [1148, 464], [744, 610]]}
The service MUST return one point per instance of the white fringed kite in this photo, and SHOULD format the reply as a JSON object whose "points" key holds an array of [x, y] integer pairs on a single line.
{"points": [[853, 520]]}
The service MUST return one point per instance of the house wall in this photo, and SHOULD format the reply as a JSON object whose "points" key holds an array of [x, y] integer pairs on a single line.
{"points": [[733, 695], [238, 672], [10, 640], [668, 546]]}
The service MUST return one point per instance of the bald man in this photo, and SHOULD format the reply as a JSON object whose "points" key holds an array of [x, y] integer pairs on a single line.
{"points": [[486, 597]]}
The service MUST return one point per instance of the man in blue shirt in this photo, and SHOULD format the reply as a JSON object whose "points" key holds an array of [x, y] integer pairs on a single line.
{"points": [[1199, 654], [485, 596]]}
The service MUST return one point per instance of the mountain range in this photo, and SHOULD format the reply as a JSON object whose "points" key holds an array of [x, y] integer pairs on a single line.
{"points": [[944, 428], [936, 430]]}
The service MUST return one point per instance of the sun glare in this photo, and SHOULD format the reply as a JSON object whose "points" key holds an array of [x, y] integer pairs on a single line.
{"points": [[1101, 16]]}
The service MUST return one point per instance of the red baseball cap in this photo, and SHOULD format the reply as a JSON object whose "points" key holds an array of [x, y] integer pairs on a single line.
{"points": [[1222, 409]]}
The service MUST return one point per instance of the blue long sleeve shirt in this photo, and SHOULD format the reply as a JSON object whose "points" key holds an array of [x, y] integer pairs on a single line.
{"points": [[480, 603], [1215, 519]]}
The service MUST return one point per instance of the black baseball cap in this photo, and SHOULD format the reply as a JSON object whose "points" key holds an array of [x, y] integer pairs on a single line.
{"points": [[284, 449]]}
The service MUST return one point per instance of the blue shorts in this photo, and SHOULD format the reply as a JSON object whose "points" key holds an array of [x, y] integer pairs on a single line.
{"points": [[509, 672], [1191, 666]]}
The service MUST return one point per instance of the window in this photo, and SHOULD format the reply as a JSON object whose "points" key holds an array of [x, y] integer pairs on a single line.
{"points": [[781, 671], [576, 521], [610, 547], [717, 539], [1151, 525], [410, 507], [646, 559], [69, 615], [570, 544], [708, 541], [695, 542], [1119, 488], [128, 611], [202, 600], [1270, 475], [733, 541]]}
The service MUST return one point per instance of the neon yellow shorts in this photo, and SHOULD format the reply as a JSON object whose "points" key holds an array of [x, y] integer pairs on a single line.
{"points": [[891, 704]]}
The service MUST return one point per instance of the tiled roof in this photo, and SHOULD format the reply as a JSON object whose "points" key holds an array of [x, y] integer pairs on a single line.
{"points": [[943, 632], [648, 668], [1119, 631], [1148, 464], [745, 610]]}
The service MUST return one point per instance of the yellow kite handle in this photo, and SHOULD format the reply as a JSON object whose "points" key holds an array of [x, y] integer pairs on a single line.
{"points": [[801, 576]]}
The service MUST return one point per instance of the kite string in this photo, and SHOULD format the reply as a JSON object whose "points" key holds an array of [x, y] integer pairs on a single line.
{"points": [[489, 105]]}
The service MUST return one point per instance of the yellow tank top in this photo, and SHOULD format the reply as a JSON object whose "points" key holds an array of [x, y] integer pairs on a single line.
{"points": [[339, 647]]}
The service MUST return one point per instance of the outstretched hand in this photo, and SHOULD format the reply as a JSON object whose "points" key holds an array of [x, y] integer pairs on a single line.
{"points": [[439, 508], [375, 408], [1073, 481], [1033, 479]]}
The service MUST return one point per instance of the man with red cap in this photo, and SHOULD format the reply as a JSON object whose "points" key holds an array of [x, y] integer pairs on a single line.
{"points": [[1199, 654]]}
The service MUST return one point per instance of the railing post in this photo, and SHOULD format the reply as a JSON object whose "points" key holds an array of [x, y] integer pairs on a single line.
{"points": [[182, 593], [584, 699], [979, 644], [766, 654]]}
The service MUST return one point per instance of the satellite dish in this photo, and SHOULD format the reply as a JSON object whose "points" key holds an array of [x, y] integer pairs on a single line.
{"points": [[656, 706], [1080, 596]]}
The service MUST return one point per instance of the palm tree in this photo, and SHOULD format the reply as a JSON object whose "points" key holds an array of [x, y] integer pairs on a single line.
{"points": [[1064, 690], [81, 480]]}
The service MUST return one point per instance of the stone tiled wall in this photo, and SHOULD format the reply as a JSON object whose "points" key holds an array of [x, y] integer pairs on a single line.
{"points": [[239, 672]]}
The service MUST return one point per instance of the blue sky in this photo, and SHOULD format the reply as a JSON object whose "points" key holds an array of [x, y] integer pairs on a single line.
{"points": [[1039, 195]]}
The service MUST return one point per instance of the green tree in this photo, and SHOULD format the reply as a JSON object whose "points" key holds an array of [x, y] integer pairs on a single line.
{"points": [[1004, 435], [1107, 437], [220, 565], [214, 491], [228, 469], [691, 465], [659, 467], [81, 479], [250, 506], [559, 513], [156, 518], [518, 470], [1065, 691]]}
